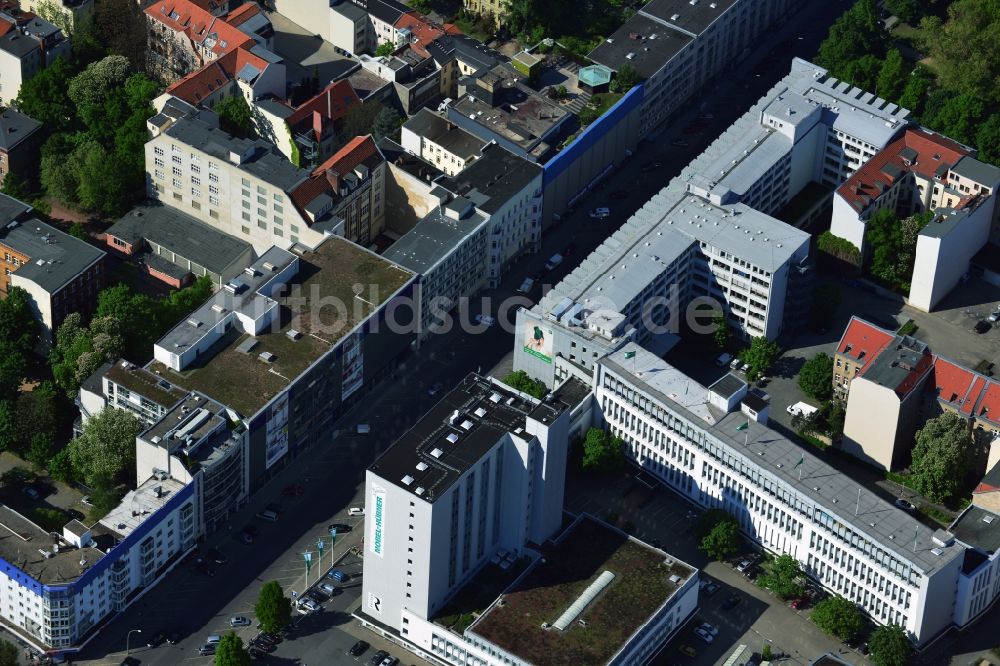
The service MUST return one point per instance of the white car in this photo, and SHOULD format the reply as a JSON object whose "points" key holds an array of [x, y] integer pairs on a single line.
{"points": [[600, 213], [994, 317], [239, 621], [704, 635], [356, 511], [486, 320], [329, 588], [308, 606]]}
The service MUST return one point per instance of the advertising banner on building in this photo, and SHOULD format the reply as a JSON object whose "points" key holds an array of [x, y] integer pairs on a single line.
{"points": [[353, 365], [538, 341], [276, 442], [377, 513]]}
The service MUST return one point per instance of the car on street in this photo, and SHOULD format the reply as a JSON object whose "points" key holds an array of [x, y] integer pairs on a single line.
{"points": [[255, 652], [251, 530], [359, 648], [342, 528], [216, 555], [155, 641], [713, 630], [378, 657], [130, 661], [337, 575], [272, 639], [994, 316], [600, 213], [735, 364], [526, 285], [904, 504], [435, 389], [329, 589], [246, 537], [743, 565], [308, 605], [262, 646], [553, 261], [356, 511], [317, 595], [704, 635], [207, 649], [485, 320], [239, 621], [731, 602], [390, 661]]}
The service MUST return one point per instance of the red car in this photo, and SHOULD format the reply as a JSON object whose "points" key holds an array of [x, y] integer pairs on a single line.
{"points": [[800, 603], [292, 491]]}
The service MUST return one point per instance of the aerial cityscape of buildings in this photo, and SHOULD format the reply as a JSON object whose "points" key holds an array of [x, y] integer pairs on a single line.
{"points": [[325, 279]]}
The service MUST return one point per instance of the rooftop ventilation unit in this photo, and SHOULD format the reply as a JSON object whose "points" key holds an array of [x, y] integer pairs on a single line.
{"points": [[452, 437], [437, 453], [421, 466], [407, 480]]}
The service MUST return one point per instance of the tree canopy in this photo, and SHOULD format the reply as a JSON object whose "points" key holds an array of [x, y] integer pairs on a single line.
{"points": [[723, 540], [234, 116], [941, 457], [964, 47], [838, 617], [889, 646], [816, 377], [520, 381], [602, 452], [854, 36], [760, 356], [273, 608], [231, 652], [784, 577], [105, 450]]}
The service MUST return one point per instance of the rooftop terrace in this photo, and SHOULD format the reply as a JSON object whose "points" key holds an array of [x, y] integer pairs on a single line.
{"points": [[641, 584], [329, 274]]}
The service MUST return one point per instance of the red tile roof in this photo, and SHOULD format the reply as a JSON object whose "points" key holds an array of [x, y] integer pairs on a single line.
{"points": [[324, 177], [243, 13], [952, 382], [199, 25], [863, 341], [328, 106], [989, 405], [5, 27], [422, 29], [888, 166], [201, 83]]}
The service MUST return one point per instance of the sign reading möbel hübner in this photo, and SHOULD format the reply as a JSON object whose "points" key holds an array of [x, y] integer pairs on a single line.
{"points": [[378, 516]]}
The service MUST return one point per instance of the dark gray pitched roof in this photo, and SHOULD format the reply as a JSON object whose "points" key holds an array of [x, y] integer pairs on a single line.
{"points": [[15, 127]]}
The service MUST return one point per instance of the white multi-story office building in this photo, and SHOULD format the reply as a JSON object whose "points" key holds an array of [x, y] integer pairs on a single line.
{"points": [[482, 472], [639, 283], [852, 541], [123, 385]]}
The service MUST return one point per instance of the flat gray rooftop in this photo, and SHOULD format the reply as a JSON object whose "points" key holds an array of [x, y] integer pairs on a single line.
{"points": [[21, 543], [487, 412], [493, 179], [432, 239], [145, 383], [691, 17], [56, 258], [979, 528], [980, 172], [758, 447], [137, 505], [445, 133], [181, 233], [263, 161], [643, 42]]}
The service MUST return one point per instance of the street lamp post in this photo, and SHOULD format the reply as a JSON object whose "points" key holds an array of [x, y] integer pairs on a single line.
{"points": [[129, 638]]}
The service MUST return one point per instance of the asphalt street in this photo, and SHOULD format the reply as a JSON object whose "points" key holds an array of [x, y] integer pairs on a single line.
{"points": [[332, 473]]}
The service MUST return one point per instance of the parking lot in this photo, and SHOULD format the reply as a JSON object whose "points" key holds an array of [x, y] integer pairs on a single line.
{"points": [[657, 516]]}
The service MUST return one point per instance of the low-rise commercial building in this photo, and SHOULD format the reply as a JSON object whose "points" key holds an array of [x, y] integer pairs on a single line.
{"points": [[61, 274], [176, 248]]}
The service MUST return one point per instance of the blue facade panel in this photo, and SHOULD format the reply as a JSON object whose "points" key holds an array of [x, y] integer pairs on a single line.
{"points": [[596, 131]]}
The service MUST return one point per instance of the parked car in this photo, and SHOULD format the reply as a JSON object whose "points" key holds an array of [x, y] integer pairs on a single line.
{"points": [[553, 261], [981, 327], [711, 589], [30, 492], [207, 649], [743, 565], [600, 213], [735, 364], [337, 575], [389, 661], [86, 501], [262, 646], [255, 652], [356, 511], [710, 629], [723, 360], [800, 603], [435, 389], [485, 320], [378, 657], [239, 621], [994, 316], [329, 589], [277, 508], [246, 537], [358, 648], [649, 167], [342, 528], [526, 285], [704, 635], [273, 639], [317, 595], [904, 505], [130, 661]]}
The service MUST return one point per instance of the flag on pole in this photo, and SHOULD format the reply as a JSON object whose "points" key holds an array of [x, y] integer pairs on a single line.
{"points": [[630, 354], [743, 426], [308, 556], [802, 459]]}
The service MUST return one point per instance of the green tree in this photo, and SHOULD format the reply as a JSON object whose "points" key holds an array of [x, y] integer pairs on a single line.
{"points": [[625, 79], [722, 541], [707, 520], [955, 116], [58, 177], [853, 36], [889, 646], [273, 608], [234, 116], [386, 124], [231, 651], [520, 381], [78, 230], [862, 72], [8, 425], [602, 452], [987, 140], [760, 356], [90, 90], [60, 466], [79, 350], [358, 120], [838, 617], [839, 248], [816, 377], [915, 92], [38, 411], [122, 27], [910, 11], [892, 76], [784, 577], [722, 332], [134, 313], [40, 450], [182, 302], [18, 326], [964, 47], [884, 238], [106, 447], [16, 186], [941, 457], [45, 96], [385, 49], [10, 655]]}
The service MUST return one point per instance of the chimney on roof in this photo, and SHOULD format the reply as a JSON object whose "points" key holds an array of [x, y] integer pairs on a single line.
{"points": [[333, 178], [317, 123]]}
